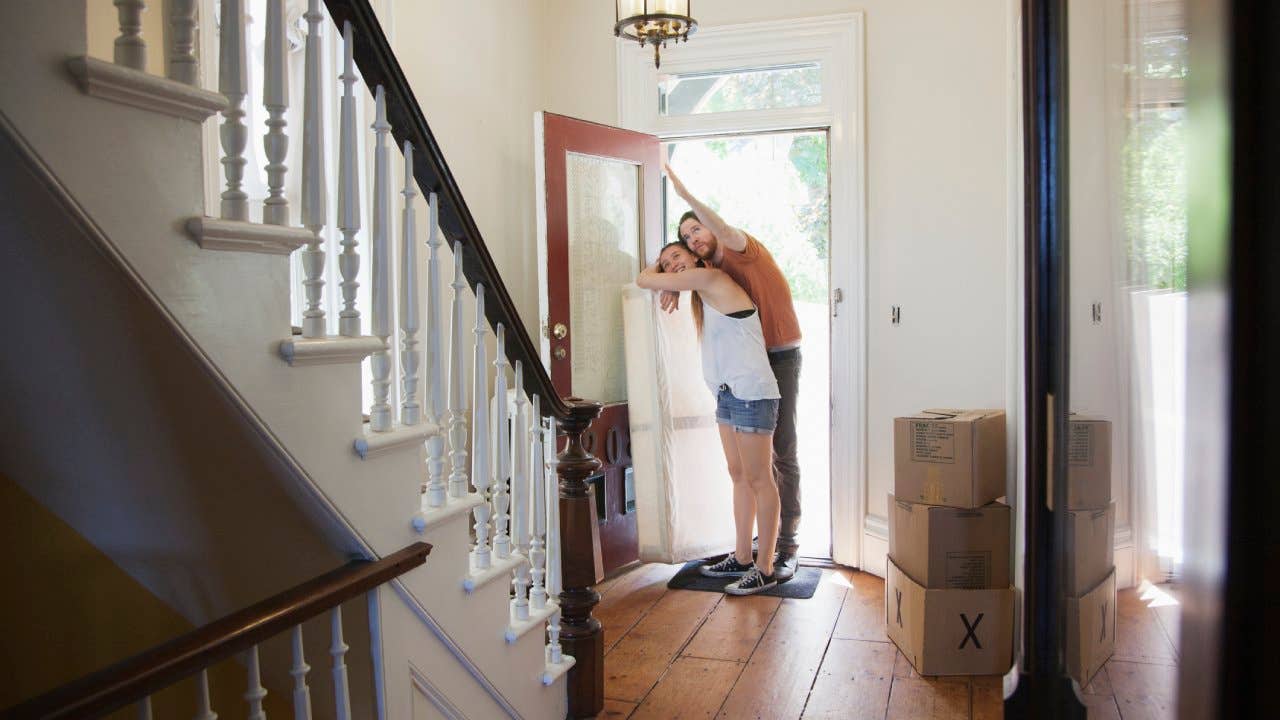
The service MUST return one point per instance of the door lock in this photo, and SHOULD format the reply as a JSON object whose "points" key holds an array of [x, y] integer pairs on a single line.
{"points": [[560, 353], [560, 331]]}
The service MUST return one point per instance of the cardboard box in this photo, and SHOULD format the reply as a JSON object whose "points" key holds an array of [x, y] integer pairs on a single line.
{"points": [[949, 457], [1091, 547], [945, 547], [949, 632], [1088, 462], [1091, 630]]}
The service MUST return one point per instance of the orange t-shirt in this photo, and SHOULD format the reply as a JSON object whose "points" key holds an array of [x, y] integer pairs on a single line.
{"points": [[758, 273]]}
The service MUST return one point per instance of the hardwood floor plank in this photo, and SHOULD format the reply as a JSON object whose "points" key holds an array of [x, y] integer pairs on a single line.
{"points": [[1144, 691], [776, 681], [734, 628], [919, 699], [862, 617], [1101, 707], [629, 598], [692, 688], [1139, 637], [987, 697], [853, 681], [902, 668], [643, 654], [616, 710], [1100, 684]]}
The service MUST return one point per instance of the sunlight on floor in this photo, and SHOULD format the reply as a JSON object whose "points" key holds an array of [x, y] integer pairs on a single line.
{"points": [[1155, 596]]}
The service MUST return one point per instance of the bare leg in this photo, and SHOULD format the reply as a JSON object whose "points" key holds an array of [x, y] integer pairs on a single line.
{"points": [[755, 451], [744, 499]]}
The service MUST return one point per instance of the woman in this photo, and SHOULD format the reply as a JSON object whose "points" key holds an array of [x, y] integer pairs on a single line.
{"points": [[736, 367]]}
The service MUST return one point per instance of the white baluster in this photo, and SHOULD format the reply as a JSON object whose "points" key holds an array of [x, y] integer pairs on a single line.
{"points": [[203, 702], [130, 48], [480, 476], [144, 708], [435, 368], [341, 692], [520, 494], [183, 65], [501, 445], [256, 692], [275, 97], [554, 651], [410, 409], [233, 82], [380, 415], [457, 383], [301, 693], [537, 478], [349, 200], [314, 192]]}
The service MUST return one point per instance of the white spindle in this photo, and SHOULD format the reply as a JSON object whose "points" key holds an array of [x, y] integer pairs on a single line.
{"points": [[314, 191], [480, 473], [538, 480], [554, 651], [435, 368], [275, 97], [144, 708], [410, 409], [457, 383], [341, 692], [130, 48], [203, 702], [380, 415], [233, 82], [520, 494], [301, 693], [255, 692], [183, 65], [501, 445], [349, 199]]}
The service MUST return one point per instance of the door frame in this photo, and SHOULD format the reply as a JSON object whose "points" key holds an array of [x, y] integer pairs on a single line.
{"points": [[837, 41]]}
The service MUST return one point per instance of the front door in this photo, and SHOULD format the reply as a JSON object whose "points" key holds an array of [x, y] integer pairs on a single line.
{"points": [[599, 219]]}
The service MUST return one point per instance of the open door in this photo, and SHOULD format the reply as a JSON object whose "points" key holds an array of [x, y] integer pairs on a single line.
{"points": [[599, 221]]}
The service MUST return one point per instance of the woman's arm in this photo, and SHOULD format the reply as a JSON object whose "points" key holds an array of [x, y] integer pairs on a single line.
{"points": [[692, 279]]}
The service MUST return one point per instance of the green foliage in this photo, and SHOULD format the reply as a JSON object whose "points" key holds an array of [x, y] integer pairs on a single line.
{"points": [[1156, 199]]}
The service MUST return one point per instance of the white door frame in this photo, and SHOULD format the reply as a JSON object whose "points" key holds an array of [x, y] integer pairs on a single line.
{"points": [[837, 42]]}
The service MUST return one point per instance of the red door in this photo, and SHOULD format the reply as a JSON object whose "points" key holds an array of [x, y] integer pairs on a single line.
{"points": [[600, 215]]}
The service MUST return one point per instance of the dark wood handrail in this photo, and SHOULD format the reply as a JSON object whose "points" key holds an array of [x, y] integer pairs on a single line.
{"points": [[378, 66], [130, 680]]}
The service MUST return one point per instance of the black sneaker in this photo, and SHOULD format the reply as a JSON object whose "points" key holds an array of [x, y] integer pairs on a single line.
{"points": [[728, 567], [751, 583], [784, 566]]}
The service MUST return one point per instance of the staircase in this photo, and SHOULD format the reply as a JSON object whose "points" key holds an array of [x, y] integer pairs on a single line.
{"points": [[464, 462]]}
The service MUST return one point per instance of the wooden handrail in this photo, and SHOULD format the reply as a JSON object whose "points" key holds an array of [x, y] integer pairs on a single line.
{"points": [[378, 66], [130, 680]]}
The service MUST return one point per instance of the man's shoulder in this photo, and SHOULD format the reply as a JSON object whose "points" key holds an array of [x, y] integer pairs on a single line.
{"points": [[753, 250]]}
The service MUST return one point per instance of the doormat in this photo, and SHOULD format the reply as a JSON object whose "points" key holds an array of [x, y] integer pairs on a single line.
{"points": [[801, 586]]}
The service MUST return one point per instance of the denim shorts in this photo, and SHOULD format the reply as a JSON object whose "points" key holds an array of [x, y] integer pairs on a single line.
{"points": [[746, 416]]}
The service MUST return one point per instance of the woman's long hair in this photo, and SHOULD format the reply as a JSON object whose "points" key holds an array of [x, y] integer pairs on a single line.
{"points": [[695, 302]]}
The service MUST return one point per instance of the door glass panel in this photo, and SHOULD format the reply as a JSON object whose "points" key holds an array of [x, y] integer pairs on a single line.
{"points": [[770, 88], [604, 255]]}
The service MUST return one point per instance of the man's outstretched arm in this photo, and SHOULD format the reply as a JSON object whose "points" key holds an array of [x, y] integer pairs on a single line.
{"points": [[728, 235]]}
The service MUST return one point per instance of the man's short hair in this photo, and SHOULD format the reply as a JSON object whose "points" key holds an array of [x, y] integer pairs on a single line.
{"points": [[690, 215]]}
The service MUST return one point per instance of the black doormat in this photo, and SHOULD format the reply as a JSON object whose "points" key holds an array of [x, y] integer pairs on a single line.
{"points": [[801, 586]]}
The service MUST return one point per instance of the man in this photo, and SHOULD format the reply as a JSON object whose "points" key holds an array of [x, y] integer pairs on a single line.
{"points": [[749, 263]]}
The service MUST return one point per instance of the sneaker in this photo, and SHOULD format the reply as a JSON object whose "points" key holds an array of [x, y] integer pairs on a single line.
{"points": [[751, 583], [784, 566], [728, 567]]}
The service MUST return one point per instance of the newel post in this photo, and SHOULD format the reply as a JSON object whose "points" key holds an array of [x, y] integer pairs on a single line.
{"points": [[580, 634]]}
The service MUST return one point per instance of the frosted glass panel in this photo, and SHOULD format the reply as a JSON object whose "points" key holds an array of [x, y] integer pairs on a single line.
{"points": [[604, 255]]}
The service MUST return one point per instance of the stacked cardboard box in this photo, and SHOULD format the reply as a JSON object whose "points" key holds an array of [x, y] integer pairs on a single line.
{"points": [[948, 602], [1091, 577]]}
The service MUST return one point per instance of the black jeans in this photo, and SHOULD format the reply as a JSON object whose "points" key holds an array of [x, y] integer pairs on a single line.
{"points": [[786, 466]]}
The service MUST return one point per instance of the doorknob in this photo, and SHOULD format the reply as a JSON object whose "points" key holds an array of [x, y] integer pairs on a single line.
{"points": [[560, 331], [560, 353]]}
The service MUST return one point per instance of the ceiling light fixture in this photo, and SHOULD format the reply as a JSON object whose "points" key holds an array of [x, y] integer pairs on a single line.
{"points": [[654, 22]]}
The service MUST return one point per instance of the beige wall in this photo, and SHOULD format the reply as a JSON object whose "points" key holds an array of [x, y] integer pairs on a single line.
{"points": [[938, 181]]}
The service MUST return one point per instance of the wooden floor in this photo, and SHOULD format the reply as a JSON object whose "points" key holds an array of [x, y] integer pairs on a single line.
{"points": [[688, 654]]}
